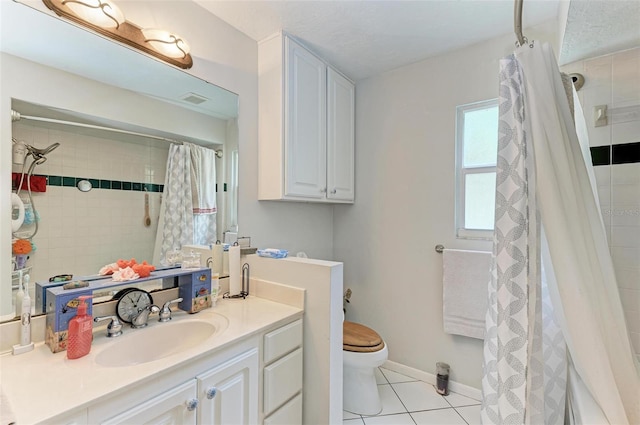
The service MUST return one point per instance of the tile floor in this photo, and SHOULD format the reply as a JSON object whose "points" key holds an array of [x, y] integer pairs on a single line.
{"points": [[408, 401]]}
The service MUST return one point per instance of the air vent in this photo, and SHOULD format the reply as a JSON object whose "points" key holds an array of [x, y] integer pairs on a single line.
{"points": [[193, 98]]}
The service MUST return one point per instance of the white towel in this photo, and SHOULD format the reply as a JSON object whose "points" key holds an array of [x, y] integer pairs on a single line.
{"points": [[465, 283], [203, 179]]}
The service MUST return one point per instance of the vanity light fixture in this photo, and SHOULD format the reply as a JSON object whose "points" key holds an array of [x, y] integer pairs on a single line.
{"points": [[102, 13], [105, 18], [168, 44]]}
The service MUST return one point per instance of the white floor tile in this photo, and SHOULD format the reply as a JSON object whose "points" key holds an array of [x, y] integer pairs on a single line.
{"points": [[419, 396], [403, 419], [395, 377], [349, 415], [438, 417], [380, 379], [357, 421], [390, 402], [456, 400], [471, 414]]}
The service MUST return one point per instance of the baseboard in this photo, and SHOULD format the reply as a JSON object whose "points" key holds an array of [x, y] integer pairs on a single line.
{"points": [[430, 378]]}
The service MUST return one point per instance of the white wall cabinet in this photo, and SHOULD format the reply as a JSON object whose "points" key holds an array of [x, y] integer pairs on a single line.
{"points": [[340, 137], [306, 123], [306, 126]]}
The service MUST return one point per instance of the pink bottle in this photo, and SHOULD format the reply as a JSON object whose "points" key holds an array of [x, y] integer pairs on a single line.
{"points": [[80, 332]]}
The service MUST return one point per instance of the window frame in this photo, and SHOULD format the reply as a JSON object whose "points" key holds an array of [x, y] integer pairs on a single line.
{"points": [[461, 231]]}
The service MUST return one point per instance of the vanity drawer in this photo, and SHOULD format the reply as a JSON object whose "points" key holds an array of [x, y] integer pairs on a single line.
{"points": [[282, 341], [289, 414], [282, 380]]}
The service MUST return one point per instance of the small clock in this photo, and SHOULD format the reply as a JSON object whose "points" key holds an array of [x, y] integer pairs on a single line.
{"points": [[131, 302]]}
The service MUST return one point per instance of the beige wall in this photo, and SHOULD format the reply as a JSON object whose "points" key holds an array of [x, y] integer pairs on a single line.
{"points": [[405, 145]]}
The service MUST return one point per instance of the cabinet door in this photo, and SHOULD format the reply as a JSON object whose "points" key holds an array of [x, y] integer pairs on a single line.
{"points": [[176, 406], [305, 123], [229, 392], [340, 137]]}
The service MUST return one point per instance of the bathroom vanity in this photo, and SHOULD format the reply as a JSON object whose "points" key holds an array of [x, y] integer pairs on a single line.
{"points": [[247, 368]]}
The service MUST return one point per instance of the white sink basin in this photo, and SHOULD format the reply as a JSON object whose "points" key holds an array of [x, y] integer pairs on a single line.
{"points": [[159, 340]]}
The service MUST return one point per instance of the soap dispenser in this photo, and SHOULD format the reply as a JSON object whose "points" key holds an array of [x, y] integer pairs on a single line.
{"points": [[80, 331]]}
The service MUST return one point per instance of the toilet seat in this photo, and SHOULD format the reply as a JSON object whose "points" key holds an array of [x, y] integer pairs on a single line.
{"points": [[358, 338]]}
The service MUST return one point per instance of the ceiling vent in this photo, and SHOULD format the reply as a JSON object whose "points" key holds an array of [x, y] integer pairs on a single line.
{"points": [[193, 98]]}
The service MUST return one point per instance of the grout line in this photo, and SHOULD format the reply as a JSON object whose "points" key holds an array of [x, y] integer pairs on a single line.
{"points": [[431, 410], [401, 402], [414, 421], [459, 414], [383, 375], [451, 406], [411, 379]]}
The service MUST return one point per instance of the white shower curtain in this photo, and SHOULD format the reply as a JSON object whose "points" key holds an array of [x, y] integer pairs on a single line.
{"points": [[178, 225], [553, 286]]}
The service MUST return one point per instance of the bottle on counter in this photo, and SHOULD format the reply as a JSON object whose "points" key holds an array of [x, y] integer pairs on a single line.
{"points": [[80, 331]]}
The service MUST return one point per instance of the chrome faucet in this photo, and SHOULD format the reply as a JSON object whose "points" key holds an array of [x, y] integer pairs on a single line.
{"points": [[140, 319], [165, 312], [114, 328]]}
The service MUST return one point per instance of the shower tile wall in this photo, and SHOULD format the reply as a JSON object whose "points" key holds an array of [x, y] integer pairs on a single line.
{"points": [[80, 232], [614, 80]]}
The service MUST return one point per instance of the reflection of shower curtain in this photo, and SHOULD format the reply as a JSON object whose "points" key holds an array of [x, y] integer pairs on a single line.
{"points": [[178, 225], [552, 284], [203, 190]]}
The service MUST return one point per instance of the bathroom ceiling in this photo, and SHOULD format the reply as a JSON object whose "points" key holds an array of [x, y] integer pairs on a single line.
{"points": [[364, 38], [595, 28]]}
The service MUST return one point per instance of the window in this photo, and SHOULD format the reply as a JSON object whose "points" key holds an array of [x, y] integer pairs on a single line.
{"points": [[476, 151]]}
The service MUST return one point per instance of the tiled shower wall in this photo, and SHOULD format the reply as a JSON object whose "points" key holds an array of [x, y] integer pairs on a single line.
{"points": [[614, 80], [79, 232]]}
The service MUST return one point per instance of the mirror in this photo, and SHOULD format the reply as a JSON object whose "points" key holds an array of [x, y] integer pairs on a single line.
{"points": [[64, 98]]}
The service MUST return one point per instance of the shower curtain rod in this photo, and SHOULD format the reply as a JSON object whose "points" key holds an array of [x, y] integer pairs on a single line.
{"points": [[578, 79], [517, 22], [16, 116]]}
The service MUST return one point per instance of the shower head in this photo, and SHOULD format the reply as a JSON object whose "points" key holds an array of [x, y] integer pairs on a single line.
{"points": [[39, 155], [41, 152]]}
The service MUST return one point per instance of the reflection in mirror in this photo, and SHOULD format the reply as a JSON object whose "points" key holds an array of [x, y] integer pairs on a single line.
{"points": [[84, 185], [79, 232]]}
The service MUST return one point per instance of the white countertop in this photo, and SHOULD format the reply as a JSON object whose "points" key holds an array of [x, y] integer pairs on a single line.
{"points": [[39, 384]]}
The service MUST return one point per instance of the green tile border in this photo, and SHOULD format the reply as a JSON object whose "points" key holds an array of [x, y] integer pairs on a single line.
{"points": [[67, 181]]}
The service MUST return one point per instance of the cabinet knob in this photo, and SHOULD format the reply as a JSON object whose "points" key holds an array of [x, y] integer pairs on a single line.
{"points": [[323, 190], [192, 404], [211, 392], [333, 192]]}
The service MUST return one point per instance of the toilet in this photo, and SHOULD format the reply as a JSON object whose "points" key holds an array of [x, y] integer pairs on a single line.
{"points": [[363, 351]]}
